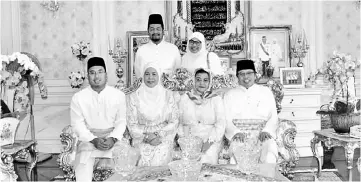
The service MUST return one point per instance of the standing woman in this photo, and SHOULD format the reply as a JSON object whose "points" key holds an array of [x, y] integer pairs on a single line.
{"points": [[203, 116], [152, 117], [198, 57]]}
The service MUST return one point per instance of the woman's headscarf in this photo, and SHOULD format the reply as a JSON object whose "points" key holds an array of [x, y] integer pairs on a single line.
{"points": [[197, 97], [195, 60], [151, 100]]}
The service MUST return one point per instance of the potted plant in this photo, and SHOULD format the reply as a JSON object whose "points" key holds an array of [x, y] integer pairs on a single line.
{"points": [[344, 108]]}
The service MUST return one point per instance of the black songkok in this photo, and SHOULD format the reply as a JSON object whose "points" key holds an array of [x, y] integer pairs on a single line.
{"points": [[96, 61], [244, 65], [155, 19]]}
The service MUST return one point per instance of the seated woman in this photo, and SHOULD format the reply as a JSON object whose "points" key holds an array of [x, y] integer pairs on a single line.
{"points": [[153, 119], [203, 116], [198, 57]]}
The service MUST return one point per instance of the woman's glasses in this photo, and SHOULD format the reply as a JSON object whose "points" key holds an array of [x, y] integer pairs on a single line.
{"points": [[195, 42]]}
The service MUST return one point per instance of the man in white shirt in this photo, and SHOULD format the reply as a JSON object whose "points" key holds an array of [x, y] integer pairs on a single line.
{"points": [[157, 50], [264, 54], [249, 102], [98, 118]]}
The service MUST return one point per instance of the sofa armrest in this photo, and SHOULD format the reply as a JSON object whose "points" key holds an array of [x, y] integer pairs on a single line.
{"points": [[67, 155], [288, 154]]}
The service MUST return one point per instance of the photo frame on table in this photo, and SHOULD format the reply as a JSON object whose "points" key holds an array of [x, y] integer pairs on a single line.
{"points": [[293, 77], [225, 62], [277, 46], [135, 40]]}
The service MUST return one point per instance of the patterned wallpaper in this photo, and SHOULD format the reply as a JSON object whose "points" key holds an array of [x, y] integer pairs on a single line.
{"points": [[341, 27], [49, 36], [276, 13]]}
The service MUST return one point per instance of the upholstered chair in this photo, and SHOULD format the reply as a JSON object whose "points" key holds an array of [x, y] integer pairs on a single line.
{"points": [[102, 169]]}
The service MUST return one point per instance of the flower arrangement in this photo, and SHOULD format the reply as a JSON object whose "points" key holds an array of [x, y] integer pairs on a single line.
{"points": [[344, 109], [81, 50], [15, 69], [76, 79]]}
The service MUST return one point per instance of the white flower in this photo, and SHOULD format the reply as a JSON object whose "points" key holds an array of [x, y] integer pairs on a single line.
{"points": [[85, 51], [75, 46], [74, 83], [5, 58]]}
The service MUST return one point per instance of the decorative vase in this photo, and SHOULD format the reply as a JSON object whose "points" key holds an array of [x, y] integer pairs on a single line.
{"points": [[8, 128], [341, 123]]}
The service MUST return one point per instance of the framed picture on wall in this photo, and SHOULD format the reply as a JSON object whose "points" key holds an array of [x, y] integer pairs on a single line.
{"points": [[272, 44], [225, 63], [135, 40], [293, 77]]}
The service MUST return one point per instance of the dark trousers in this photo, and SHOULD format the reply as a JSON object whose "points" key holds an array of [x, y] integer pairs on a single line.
{"points": [[264, 68]]}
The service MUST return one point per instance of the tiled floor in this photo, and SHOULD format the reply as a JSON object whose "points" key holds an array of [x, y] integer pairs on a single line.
{"points": [[49, 169]]}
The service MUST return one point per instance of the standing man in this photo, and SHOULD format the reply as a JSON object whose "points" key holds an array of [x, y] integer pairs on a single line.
{"points": [[98, 118], [165, 54], [264, 55], [251, 116]]}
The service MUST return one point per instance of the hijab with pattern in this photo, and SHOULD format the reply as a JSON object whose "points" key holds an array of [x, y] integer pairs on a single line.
{"points": [[151, 100], [197, 97]]}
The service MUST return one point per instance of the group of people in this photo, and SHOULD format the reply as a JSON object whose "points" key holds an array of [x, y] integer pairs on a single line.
{"points": [[153, 116]]}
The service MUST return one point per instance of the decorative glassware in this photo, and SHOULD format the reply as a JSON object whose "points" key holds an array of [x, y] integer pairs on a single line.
{"points": [[125, 159], [185, 170], [191, 147]]}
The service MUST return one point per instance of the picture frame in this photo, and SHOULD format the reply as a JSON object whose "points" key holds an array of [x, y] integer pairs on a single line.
{"points": [[225, 62], [277, 46], [293, 77], [135, 40]]}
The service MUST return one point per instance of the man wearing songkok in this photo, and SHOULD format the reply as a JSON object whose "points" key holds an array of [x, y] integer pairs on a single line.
{"points": [[165, 54], [252, 119], [98, 118]]}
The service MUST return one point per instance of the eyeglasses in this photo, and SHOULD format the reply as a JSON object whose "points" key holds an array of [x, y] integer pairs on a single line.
{"points": [[246, 74], [194, 42], [94, 72]]}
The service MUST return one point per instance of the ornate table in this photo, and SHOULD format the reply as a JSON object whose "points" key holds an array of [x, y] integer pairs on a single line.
{"points": [[22, 149], [332, 139], [208, 173]]}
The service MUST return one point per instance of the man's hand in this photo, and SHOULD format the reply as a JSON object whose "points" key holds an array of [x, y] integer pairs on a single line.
{"points": [[109, 142], [99, 143], [263, 136], [149, 137], [240, 137], [156, 141], [206, 145]]}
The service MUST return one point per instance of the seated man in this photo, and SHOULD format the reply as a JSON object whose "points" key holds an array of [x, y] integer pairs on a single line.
{"points": [[251, 122], [98, 117]]}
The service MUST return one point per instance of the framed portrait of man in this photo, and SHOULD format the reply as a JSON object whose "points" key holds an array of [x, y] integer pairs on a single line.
{"points": [[270, 46], [135, 40]]}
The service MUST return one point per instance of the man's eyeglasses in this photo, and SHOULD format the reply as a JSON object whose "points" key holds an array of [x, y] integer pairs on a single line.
{"points": [[94, 72], [246, 74], [194, 42]]}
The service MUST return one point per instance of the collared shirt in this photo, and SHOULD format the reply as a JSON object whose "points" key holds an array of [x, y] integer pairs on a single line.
{"points": [[92, 110], [165, 54], [256, 102]]}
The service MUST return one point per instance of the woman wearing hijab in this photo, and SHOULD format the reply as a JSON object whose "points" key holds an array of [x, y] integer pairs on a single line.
{"points": [[152, 119], [203, 116], [198, 57]]}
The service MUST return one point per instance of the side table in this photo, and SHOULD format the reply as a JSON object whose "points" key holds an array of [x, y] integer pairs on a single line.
{"points": [[332, 139], [19, 149]]}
